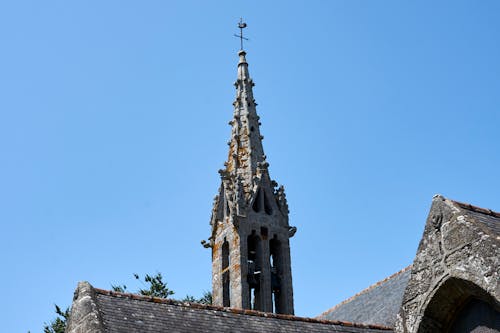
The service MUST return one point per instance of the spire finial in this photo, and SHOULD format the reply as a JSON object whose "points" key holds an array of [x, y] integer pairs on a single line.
{"points": [[242, 25]]}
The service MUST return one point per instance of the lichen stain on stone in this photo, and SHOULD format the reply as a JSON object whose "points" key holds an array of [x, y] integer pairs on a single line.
{"points": [[217, 246]]}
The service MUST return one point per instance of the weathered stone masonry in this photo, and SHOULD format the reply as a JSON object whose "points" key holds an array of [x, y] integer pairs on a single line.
{"points": [[251, 266], [85, 316], [457, 262]]}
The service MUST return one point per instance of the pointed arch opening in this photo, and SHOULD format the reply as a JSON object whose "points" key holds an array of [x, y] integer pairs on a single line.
{"points": [[254, 258], [276, 268], [460, 306], [262, 203], [226, 294], [258, 201], [226, 207], [267, 205]]}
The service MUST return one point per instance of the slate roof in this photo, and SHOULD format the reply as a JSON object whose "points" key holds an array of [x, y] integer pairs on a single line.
{"points": [[132, 313], [119, 312], [486, 218], [377, 305]]}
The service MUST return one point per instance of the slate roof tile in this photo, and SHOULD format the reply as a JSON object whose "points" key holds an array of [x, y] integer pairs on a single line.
{"points": [[488, 219], [133, 313], [376, 305]]}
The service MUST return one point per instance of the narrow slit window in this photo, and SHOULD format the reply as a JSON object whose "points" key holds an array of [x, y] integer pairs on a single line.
{"points": [[225, 275], [267, 206], [275, 263], [254, 256]]}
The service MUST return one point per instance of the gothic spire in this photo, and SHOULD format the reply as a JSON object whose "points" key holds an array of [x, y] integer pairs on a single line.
{"points": [[250, 245], [246, 155]]}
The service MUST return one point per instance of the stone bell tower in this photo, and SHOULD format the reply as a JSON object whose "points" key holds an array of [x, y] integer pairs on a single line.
{"points": [[250, 232]]}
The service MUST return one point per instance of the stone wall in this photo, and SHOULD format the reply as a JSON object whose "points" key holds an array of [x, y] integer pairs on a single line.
{"points": [[84, 315], [457, 259]]}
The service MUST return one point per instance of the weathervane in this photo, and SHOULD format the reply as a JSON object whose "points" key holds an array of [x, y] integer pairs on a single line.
{"points": [[241, 25]]}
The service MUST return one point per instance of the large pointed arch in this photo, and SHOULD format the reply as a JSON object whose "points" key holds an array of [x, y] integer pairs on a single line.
{"points": [[460, 306]]}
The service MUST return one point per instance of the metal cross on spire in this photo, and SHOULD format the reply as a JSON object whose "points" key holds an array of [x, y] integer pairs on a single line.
{"points": [[241, 25]]}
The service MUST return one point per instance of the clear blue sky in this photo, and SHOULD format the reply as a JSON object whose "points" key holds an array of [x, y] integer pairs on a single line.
{"points": [[113, 124]]}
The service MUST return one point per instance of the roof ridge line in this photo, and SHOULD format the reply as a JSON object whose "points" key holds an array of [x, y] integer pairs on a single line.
{"points": [[376, 284], [477, 209], [236, 310]]}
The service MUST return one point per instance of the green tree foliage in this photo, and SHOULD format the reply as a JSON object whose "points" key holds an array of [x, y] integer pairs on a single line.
{"points": [[153, 286], [205, 299], [189, 299], [58, 325]]}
